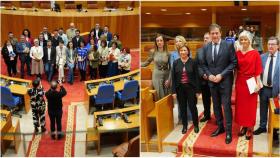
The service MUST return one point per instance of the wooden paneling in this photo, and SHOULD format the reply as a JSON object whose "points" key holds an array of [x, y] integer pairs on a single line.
{"points": [[127, 26]]}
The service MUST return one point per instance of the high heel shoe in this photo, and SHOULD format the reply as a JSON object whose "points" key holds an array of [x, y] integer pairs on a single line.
{"points": [[242, 132], [248, 135]]}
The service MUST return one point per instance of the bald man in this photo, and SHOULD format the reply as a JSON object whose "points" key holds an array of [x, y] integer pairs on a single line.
{"points": [[54, 97], [71, 31]]}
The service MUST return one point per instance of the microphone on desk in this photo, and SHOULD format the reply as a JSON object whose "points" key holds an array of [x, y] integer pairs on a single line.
{"points": [[125, 118], [100, 121]]}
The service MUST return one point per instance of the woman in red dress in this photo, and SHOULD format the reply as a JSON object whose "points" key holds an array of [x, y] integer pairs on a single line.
{"points": [[249, 65]]}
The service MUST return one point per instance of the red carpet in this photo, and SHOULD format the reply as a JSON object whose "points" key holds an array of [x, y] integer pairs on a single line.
{"points": [[203, 144], [75, 93]]}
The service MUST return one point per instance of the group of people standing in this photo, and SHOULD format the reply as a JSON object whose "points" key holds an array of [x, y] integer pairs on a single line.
{"points": [[102, 52], [213, 72]]}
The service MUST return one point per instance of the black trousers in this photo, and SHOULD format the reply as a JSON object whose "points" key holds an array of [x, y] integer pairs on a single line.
{"points": [[55, 119], [103, 71], [83, 75], [93, 73], [11, 67], [186, 97], [25, 59], [206, 99], [222, 96]]}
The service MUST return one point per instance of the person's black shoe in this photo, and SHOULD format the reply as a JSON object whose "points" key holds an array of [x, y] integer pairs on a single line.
{"points": [[60, 136], [43, 129], [218, 131], [184, 130], [259, 131], [205, 119], [53, 136], [242, 132], [228, 138], [36, 130], [196, 129]]}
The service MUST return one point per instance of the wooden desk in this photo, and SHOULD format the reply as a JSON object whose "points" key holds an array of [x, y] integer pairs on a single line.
{"points": [[19, 87], [273, 122], [5, 126], [118, 85], [113, 125]]}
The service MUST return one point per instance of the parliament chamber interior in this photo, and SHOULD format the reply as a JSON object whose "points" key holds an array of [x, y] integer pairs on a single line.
{"points": [[111, 107], [100, 114]]}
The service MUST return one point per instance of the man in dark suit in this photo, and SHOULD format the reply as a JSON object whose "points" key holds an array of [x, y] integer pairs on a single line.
{"points": [[55, 108], [49, 59], [97, 31], [218, 65], [205, 90], [270, 79], [77, 39], [46, 34], [55, 39], [107, 34]]}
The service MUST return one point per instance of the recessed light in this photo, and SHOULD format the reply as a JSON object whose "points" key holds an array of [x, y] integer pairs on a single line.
{"points": [[188, 13], [203, 9], [244, 9], [148, 13], [163, 10]]}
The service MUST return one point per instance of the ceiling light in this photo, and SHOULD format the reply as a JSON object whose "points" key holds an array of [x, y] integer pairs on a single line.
{"points": [[188, 13], [203, 9], [163, 10], [148, 13], [244, 9]]}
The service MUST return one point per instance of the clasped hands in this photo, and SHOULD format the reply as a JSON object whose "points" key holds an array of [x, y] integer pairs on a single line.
{"points": [[215, 79]]}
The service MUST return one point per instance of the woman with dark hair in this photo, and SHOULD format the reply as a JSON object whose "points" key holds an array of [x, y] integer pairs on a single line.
{"points": [[82, 53], [91, 37], [230, 37], [116, 38], [38, 105], [9, 55], [93, 57], [160, 56], [103, 53], [185, 86], [71, 55], [124, 61], [113, 58], [27, 34]]}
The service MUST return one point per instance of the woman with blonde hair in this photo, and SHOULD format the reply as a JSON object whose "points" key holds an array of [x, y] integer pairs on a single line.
{"points": [[160, 56], [36, 54], [249, 65]]}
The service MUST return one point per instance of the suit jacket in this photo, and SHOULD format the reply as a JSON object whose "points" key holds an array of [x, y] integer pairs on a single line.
{"points": [[55, 100], [53, 55], [276, 75], [99, 32], [5, 53], [109, 36], [191, 69], [76, 43], [224, 64], [55, 42], [199, 61]]}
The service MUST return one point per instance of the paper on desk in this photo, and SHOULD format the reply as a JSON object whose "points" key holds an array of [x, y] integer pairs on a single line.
{"points": [[252, 85]]}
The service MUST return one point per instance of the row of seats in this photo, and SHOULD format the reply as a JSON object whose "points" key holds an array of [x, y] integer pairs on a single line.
{"points": [[9, 100], [106, 93], [67, 4]]}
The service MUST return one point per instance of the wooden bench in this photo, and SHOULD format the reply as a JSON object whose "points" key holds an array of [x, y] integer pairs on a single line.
{"points": [[274, 122]]}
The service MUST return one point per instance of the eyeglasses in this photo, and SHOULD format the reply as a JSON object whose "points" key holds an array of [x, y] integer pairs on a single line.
{"points": [[271, 44]]}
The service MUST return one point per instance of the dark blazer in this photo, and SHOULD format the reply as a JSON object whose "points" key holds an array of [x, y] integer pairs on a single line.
{"points": [[55, 100], [224, 64], [5, 53], [199, 61], [53, 55], [55, 42], [77, 43], [44, 43], [192, 72], [109, 36], [49, 36], [99, 32]]}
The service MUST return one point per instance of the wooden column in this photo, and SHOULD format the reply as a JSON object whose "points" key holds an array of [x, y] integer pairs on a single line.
{"points": [[214, 15], [278, 23]]}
